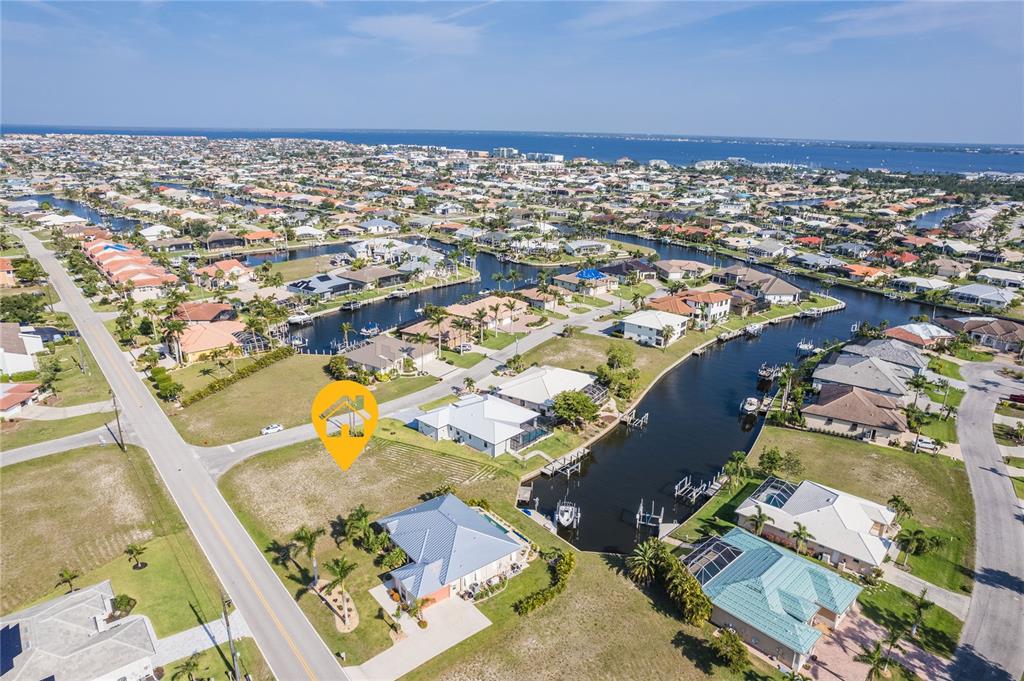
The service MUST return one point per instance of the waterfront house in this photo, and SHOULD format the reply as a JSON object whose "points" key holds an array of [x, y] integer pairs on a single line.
{"points": [[984, 295], [920, 284], [673, 304], [203, 312], [891, 350], [711, 306], [855, 412], [494, 319], [625, 270], [537, 387], [763, 286], [815, 261], [323, 286], [770, 248], [1004, 278], [386, 354], [850, 533], [538, 299], [586, 247], [588, 282], [648, 327], [450, 335], [1000, 334], [72, 637], [18, 348], [156, 232], [451, 548], [221, 239], [379, 226], [869, 373], [174, 245], [920, 334], [778, 602], [199, 340], [376, 277], [224, 273], [309, 233], [864, 273], [677, 270], [262, 236], [484, 422]]}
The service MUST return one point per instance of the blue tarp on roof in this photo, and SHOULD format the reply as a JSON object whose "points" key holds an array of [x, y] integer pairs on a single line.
{"points": [[590, 273]]}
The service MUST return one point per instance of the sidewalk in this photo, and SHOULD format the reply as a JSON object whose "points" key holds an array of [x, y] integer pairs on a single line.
{"points": [[947, 600], [199, 638], [39, 412]]}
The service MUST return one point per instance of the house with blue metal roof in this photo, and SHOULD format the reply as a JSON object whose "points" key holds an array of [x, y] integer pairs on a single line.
{"points": [[776, 600], [452, 549]]}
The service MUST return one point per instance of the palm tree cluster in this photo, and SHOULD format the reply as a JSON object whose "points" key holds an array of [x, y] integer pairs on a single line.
{"points": [[651, 560]]}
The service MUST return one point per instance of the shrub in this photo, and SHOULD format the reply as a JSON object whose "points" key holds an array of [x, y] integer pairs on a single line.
{"points": [[561, 567], [216, 386]]}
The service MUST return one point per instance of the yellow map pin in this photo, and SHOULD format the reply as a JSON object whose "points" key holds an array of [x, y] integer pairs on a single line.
{"points": [[344, 415]]}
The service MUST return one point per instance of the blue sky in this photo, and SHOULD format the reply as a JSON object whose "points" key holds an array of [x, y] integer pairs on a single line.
{"points": [[937, 71]]}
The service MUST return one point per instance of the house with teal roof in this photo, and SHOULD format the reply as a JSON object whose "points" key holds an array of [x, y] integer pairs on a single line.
{"points": [[779, 602]]}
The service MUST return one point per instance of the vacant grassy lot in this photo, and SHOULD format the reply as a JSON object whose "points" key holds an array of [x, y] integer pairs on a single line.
{"points": [[462, 360], [935, 487], [73, 385], [399, 387], [196, 376], [628, 292], [591, 628], [301, 268], [972, 355], [718, 516], [104, 501], [215, 663], [944, 367], [19, 433], [893, 608], [499, 340]]}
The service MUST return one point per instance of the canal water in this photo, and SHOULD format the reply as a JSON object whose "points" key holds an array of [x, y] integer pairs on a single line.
{"points": [[694, 409]]}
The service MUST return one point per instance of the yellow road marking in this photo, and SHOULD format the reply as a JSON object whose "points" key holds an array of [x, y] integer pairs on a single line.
{"points": [[252, 583]]}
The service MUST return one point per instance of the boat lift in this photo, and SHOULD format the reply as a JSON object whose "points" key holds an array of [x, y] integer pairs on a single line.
{"points": [[645, 519], [633, 421]]}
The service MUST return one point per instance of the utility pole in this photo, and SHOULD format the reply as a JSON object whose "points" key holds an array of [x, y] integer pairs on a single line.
{"points": [[225, 604], [117, 415]]}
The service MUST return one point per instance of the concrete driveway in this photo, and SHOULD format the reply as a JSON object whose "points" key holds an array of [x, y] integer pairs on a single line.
{"points": [[450, 622], [836, 653]]}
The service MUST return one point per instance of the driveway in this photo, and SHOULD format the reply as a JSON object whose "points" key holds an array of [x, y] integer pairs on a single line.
{"points": [[450, 622], [836, 652]]}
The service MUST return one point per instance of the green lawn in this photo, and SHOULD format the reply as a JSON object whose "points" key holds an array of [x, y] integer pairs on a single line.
{"points": [[1010, 409], [301, 268], [1018, 487], [590, 629], [972, 355], [106, 499], [892, 608], [197, 375], [215, 663], [73, 385], [1004, 435], [628, 292], [935, 487], [1015, 461], [439, 402], [399, 387], [940, 429], [240, 410], [21, 432], [560, 442], [592, 301], [944, 367], [718, 515], [954, 396], [464, 360], [499, 340], [394, 431]]}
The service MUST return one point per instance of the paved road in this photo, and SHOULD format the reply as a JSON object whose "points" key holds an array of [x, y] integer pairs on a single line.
{"points": [[289, 643], [992, 643], [103, 435]]}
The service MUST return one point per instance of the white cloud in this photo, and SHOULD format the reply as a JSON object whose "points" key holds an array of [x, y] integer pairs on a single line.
{"points": [[630, 19], [418, 33]]}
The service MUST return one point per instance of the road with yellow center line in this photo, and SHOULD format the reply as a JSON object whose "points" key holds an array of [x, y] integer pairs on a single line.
{"points": [[288, 642]]}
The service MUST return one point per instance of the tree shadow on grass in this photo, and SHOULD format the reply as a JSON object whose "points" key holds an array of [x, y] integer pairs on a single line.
{"points": [[654, 591]]}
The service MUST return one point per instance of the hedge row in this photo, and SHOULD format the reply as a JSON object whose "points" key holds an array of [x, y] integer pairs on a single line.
{"points": [[562, 567], [221, 383]]}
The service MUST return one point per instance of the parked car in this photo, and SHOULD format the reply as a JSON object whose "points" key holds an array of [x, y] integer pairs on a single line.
{"points": [[926, 444], [1018, 398], [272, 428], [464, 347]]}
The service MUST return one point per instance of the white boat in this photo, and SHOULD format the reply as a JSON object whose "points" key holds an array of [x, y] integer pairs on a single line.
{"points": [[753, 329], [298, 342], [371, 330], [398, 293], [805, 347], [750, 405], [568, 514], [351, 305], [300, 319], [418, 310]]}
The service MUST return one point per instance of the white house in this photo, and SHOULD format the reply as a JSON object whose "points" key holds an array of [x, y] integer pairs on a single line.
{"points": [[17, 348], [983, 294], [647, 327], [155, 232], [587, 247], [537, 387], [849, 532], [1004, 278], [484, 422], [448, 208]]}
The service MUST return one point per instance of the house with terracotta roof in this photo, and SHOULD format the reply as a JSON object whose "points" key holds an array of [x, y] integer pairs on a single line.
{"points": [[7, 278], [711, 306], [203, 312], [15, 396], [920, 334], [864, 273], [673, 304], [262, 236], [199, 340], [224, 273]]}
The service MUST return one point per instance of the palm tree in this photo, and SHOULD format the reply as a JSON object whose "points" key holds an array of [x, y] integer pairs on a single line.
{"points": [[469, 384], [642, 565], [892, 642], [68, 576], [357, 524], [422, 339], [134, 552], [481, 317], [920, 605], [340, 569], [760, 519], [498, 277], [172, 329], [667, 333], [510, 305], [417, 606], [912, 541], [638, 301], [306, 537], [188, 668], [801, 536], [875, 659], [793, 676], [346, 329], [900, 507], [436, 321], [918, 384]]}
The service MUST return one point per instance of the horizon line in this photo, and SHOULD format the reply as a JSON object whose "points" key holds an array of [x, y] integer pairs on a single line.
{"points": [[681, 136]]}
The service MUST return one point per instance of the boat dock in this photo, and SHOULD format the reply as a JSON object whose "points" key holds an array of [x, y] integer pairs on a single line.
{"points": [[631, 419], [645, 519], [568, 464]]}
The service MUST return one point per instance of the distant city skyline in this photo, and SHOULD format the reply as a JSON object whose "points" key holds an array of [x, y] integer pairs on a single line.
{"points": [[938, 72]]}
